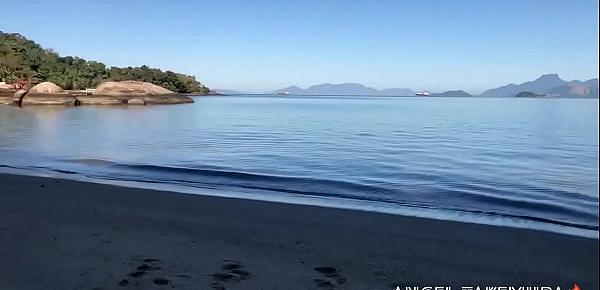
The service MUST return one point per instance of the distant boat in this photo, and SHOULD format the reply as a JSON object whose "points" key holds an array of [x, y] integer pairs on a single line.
{"points": [[425, 93], [283, 93]]}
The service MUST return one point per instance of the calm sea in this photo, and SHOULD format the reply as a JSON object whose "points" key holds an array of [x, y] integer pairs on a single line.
{"points": [[515, 162]]}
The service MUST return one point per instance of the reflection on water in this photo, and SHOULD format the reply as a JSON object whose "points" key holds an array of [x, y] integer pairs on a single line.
{"points": [[520, 159]]}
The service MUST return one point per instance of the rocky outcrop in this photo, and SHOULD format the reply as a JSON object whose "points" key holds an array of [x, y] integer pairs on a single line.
{"points": [[138, 92], [98, 100], [130, 88], [46, 88], [107, 93], [5, 86], [48, 99], [6, 91], [45, 93]]}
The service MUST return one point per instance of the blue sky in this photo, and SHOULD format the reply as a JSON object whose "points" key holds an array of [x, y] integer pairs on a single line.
{"points": [[264, 45]]}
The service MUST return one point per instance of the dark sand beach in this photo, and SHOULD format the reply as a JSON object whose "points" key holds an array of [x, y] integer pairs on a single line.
{"points": [[61, 234]]}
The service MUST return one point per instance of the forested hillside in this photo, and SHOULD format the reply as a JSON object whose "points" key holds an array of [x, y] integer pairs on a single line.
{"points": [[21, 58]]}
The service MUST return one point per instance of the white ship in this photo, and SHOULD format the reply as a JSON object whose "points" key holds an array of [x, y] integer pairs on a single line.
{"points": [[424, 93]]}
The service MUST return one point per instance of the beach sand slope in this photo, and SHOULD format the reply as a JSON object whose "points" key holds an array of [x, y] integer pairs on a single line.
{"points": [[61, 234]]}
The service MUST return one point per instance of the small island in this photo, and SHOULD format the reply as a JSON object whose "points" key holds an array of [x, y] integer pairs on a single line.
{"points": [[528, 94], [457, 93]]}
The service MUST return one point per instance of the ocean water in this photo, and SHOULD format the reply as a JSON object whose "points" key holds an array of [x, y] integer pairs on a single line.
{"points": [[529, 163]]}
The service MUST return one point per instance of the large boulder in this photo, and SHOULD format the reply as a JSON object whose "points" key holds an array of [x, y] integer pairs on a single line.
{"points": [[6, 90], [46, 88], [47, 93], [5, 86], [130, 88], [147, 93]]}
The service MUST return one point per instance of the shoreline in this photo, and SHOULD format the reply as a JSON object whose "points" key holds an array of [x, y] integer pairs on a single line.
{"points": [[336, 202], [58, 232]]}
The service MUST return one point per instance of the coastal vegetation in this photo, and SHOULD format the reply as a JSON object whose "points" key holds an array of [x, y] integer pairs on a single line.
{"points": [[24, 59], [528, 94]]}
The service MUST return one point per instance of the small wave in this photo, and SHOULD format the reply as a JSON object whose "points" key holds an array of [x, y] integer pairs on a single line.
{"points": [[473, 199], [91, 161]]}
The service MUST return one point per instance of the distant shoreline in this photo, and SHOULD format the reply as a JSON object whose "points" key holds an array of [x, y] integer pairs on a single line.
{"points": [[387, 96]]}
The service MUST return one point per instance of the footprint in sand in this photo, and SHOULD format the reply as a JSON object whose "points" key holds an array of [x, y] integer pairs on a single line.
{"points": [[147, 272], [161, 281], [146, 267], [330, 277], [231, 271], [124, 282]]}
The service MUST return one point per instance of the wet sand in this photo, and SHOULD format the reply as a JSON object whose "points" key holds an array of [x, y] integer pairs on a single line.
{"points": [[61, 234]]}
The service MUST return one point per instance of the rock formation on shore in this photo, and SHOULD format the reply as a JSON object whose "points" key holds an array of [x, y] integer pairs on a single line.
{"points": [[98, 100], [130, 88], [6, 89], [46, 88], [7, 92], [139, 93], [107, 93], [45, 93]]}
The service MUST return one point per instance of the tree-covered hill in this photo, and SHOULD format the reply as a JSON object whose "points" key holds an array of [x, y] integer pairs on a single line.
{"points": [[23, 59]]}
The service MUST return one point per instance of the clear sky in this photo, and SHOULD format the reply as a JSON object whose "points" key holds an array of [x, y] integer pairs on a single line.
{"points": [[264, 45]]}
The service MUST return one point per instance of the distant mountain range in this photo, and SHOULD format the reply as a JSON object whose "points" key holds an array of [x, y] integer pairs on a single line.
{"points": [[352, 89], [576, 88], [548, 85]]}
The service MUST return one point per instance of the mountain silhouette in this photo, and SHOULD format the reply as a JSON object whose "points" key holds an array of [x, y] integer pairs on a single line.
{"points": [[350, 89]]}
